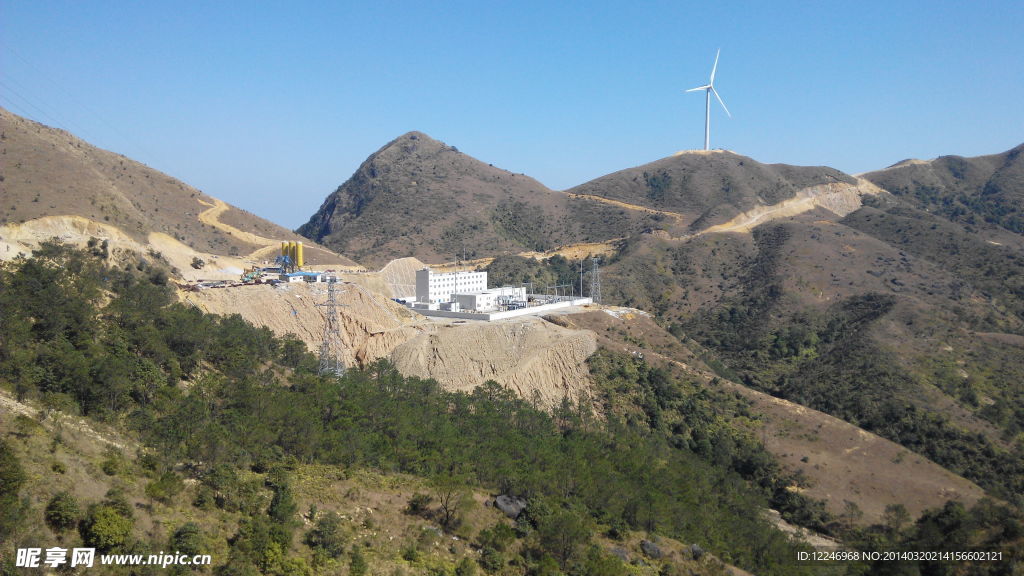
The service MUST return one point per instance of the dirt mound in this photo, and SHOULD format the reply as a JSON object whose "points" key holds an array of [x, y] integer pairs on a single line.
{"points": [[536, 358], [75, 230], [23, 238]]}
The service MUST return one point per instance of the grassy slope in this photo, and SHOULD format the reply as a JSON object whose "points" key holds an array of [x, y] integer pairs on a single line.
{"points": [[708, 188], [840, 462]]}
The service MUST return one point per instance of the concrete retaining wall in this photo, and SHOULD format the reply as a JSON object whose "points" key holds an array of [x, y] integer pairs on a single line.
{"points": [[491, 316]]}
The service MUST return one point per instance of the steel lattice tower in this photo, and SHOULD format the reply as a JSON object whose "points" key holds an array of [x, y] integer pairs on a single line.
{"points": [[595, 283], [330, 347]]}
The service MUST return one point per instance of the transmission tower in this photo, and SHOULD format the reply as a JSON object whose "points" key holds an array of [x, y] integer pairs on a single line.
{"points": [[595, 283], [331, 347]]}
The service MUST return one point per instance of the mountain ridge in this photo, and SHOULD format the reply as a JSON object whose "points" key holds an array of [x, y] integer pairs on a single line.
{"points": [[979, 190], [382, 211]]}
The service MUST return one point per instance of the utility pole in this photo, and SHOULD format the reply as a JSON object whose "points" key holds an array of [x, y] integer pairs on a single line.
{"points": [[581, 277], [595, 283], [331, 347]]}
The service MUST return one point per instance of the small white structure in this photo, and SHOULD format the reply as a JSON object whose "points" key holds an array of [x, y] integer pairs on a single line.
{"points": [[433, 288], [301, 277], [493, 299]]}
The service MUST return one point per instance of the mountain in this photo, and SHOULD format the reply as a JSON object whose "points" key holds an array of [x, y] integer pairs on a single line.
{"points": [[55, 184], [974, 191], [420, 197]]}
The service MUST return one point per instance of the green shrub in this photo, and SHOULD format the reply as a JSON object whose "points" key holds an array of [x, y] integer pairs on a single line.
{"points": [[105, 528], [188, 539], [12, 477], [357, 565], [465, 567], [328, 535], [491, 560], [497, 537], [165, 488], [62, 512], [419, 504]]}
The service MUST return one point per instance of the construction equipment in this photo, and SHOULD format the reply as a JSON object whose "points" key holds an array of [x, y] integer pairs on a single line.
{"points": [[253, 275], [285, 262]]}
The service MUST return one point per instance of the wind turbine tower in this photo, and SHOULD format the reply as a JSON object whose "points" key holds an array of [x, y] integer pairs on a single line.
{"points": [[708, 89]]}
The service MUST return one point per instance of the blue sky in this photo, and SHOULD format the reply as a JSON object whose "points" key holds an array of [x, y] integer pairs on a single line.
{"points": [[272, 105]]}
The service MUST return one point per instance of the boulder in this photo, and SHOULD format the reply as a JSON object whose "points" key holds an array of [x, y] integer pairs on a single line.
{"points": [[511, 506], [651, 549]]}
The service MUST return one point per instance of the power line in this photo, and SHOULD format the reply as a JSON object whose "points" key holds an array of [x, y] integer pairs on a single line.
{"points": [[26, 102], [77, 100]]}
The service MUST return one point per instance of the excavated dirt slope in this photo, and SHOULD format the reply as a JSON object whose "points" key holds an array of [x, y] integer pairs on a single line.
{"points": [[839, 198], [25, 237], [532, 356], [371, 324], [400, 276], [536, 358]]}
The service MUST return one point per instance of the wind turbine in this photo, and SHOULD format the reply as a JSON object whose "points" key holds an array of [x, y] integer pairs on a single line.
{"points": [[708, 89]]}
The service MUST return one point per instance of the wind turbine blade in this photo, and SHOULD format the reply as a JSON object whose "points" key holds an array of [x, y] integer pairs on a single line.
{"points": [[697, 88], [720, 101], [713, 68]]}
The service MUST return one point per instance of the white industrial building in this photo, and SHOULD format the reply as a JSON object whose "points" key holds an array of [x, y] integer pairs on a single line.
{"points": [[465, 295], [433, 288]]}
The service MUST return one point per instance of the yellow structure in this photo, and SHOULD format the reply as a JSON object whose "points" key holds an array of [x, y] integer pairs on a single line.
{"points": [[284, 248], [298, 254]]}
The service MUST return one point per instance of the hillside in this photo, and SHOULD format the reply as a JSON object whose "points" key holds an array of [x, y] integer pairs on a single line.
{"points": [[55, 184], [876, 319], [844, 355], [984, 190], [161, 432], [838, 461]]}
